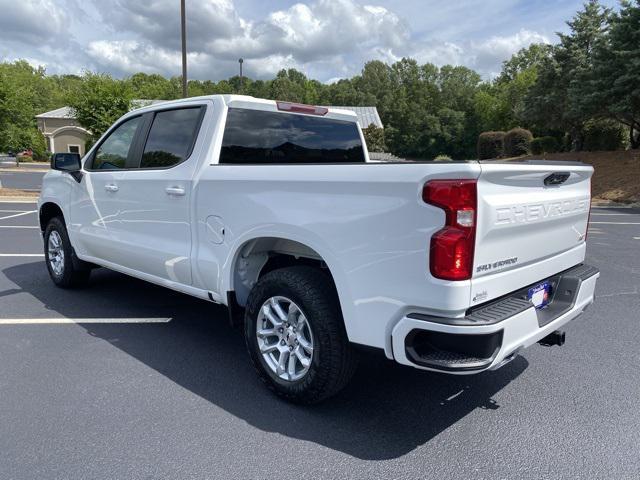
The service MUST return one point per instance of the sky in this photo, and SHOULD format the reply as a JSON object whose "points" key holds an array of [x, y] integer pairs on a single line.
{"points": [[325, 39]]}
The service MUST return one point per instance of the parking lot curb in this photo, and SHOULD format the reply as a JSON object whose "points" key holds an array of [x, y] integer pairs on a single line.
{"points": [[23, 170], [18, 199]]}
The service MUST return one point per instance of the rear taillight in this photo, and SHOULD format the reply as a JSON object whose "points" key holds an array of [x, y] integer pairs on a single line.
{"points": [[451, 256]]}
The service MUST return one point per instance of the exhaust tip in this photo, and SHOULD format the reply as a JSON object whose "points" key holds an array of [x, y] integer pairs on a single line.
{"points": [[554, 338]]}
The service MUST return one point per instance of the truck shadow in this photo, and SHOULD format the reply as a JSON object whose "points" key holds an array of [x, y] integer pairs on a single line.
{"points": [[387, 410]]}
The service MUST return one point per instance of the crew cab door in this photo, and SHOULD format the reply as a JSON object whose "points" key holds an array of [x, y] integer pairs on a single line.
{"points": [[146, 211], [94, 205]]}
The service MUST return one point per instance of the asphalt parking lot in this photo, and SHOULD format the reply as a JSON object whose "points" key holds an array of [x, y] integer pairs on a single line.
{"points": [[26, 177], [30, 181], [124, 379]]}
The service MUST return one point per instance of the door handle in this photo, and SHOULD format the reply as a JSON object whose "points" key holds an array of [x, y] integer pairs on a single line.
{"points": [[111, 187], [176, 191]]}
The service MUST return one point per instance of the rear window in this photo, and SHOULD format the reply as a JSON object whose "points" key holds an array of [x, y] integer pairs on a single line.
{"points": [[171, 137], [255, 136]]}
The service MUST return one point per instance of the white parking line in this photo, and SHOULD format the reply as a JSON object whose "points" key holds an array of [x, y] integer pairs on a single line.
{"points": [[72, 321], [21, 254], [18, 214]]}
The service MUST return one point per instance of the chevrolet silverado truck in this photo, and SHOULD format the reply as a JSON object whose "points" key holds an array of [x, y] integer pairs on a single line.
{"points": [[274, 210]]}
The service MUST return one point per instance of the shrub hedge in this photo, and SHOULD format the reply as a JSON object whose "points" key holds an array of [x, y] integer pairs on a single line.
{"points": [[542, 145], [517, 141], [490, 145], [603, 135]]}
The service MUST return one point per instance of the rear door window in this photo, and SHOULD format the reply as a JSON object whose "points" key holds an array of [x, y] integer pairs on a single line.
{"points": [[171, 137], [256, 137]]}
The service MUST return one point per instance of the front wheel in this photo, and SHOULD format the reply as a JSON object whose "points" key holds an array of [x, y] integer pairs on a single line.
{"points": [[295, 335], [64, 270]]}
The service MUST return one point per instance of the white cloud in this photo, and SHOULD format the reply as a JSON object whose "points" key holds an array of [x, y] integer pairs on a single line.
{"points": [[488, 55], [326, 39], [293, 37], [485, 56], [130, 56], [441, 53]]}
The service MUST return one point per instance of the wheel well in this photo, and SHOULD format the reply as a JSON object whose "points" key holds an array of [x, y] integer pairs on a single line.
{"points": [[48, 211], [261, 256]]}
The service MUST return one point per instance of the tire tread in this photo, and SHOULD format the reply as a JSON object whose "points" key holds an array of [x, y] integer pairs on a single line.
{"points": [[320, 299]]}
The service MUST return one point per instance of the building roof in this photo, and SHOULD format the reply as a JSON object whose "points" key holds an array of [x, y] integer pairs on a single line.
{"points": [[63, 112], [366, 115]]}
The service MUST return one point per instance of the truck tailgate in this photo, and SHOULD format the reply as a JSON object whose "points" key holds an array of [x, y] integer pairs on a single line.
{"points": [[530, 214]]}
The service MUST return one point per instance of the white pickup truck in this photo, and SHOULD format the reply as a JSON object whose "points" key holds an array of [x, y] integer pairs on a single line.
{"points": [[275, 210]]}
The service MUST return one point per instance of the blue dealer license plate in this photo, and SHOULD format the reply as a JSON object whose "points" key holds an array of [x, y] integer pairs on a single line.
{"points": [[540, 295]]}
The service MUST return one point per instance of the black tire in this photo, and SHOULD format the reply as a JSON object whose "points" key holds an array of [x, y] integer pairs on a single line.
{"points": [[334, 360], [74, 272]]}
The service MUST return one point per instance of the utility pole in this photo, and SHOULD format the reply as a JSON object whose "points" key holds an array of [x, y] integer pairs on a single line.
{"points": [[240, 61], [184, 49]]}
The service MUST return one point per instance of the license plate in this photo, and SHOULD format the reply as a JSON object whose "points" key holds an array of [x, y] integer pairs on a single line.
{"points": [[540, 294]]}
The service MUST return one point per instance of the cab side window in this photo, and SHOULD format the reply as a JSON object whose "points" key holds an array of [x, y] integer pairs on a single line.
{"points": [[113, 152], [171, 137]]}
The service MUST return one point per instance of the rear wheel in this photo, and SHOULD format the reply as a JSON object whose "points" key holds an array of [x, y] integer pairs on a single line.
{"points": [[65, 270], [296, 337]]}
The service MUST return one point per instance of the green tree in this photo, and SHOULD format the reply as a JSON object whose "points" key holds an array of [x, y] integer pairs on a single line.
{"points": [[525, 59], [549, 101], [152, 87], [612, 88], [25, 91], [100, 101], [500, 105]]}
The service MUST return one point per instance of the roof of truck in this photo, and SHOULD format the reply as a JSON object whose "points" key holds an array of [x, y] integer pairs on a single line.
{"points": [[246, 101], [366, 115]]}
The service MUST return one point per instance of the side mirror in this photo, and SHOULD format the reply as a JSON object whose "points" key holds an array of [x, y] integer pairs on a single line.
{"points": [[65, 162], [68, 162]]}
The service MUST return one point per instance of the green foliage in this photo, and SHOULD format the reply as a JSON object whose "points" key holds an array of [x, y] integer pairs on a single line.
{"points": [[39, 146], [526, 59], [490, 145], [155, 87], [611, 88], [374, 137], [100, 101], [546, 144], [293, 86], [550, 102], [16, 139], [603, 135], [517, 141], [442, 158], [25, 91]]}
